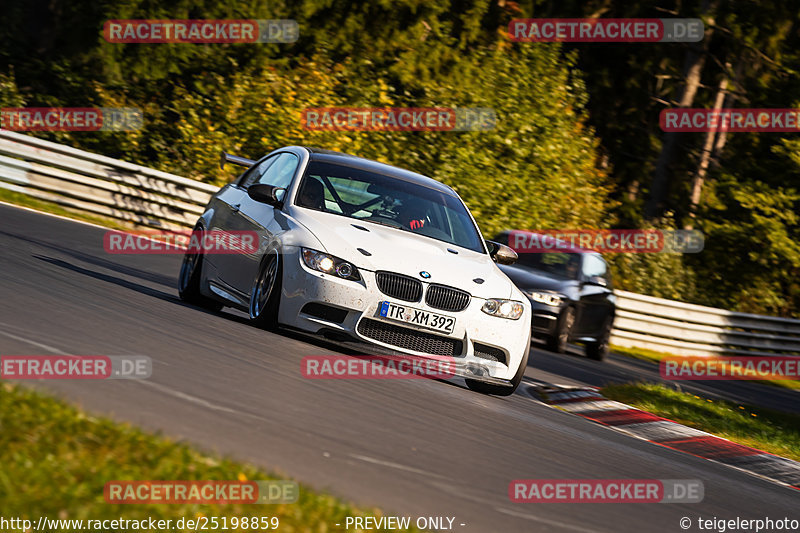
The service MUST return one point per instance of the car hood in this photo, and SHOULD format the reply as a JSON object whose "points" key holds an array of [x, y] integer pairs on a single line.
{"points": [[406, 253], [528, 279]]}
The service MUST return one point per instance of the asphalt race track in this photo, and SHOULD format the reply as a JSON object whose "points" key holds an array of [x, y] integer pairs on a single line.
{"points": [[411, 447]]}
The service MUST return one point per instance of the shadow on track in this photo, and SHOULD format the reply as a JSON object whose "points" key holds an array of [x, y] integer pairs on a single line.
{"points": [[143, 289], [161, 279]]}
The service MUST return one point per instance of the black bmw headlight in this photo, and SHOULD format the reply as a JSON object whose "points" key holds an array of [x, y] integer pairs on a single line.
{"points": [[547, 298], [329, 264]]}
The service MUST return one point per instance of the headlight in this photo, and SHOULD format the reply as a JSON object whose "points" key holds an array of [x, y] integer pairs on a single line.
{"points": [[329, 264], [503, 308], [546, 298]]}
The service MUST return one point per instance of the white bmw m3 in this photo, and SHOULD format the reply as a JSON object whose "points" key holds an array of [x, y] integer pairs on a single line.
{"points": [[354, 248]]}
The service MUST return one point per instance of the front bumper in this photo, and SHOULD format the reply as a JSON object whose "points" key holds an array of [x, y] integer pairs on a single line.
{"points": [[314, 301], [544, 318], [544, 321]]}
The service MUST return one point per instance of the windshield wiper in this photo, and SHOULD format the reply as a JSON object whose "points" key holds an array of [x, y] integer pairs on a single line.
{"points": [[381, 223]]}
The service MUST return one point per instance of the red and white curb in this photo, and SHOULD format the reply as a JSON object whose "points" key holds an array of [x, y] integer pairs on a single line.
{"points": [[590, 404]]}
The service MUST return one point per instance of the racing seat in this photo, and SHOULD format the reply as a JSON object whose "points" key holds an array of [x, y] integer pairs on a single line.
{"points": [[312, 194]]}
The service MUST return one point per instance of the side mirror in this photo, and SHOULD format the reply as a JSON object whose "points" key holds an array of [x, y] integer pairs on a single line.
{"points": [[596, 280], [266, 194], [502, 254]]}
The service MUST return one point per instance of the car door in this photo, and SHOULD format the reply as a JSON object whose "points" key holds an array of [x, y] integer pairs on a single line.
{"points": [[227, 217], [595, 304], [259, 217], [224, 205]]}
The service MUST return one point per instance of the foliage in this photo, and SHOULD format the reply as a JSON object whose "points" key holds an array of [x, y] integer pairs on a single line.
{"points": [[577, 132]]}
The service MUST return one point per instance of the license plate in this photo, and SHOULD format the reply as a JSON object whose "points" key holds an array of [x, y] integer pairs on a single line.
{"points": [[417, 317]]}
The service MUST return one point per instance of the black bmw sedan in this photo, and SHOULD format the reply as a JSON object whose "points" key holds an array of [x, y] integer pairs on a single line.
{"points": [[571, 295]]}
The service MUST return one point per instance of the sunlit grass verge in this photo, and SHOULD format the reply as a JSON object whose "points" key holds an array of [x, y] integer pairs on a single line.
{"points": [[765, 429], [650, 355], [56, 459], [640, 353], [17, 198]]}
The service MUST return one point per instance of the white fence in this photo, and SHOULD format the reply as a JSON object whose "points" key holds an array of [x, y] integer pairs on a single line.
{"points": [[147, 197], [687, 329], [99, 185]]}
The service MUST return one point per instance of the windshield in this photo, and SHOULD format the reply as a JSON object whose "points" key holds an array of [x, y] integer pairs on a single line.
{"points": [[558, 264], [563, 265], [371, 197]]}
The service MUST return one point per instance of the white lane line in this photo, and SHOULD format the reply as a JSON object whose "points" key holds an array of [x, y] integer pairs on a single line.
{"points": [[396, 466], [54, 215], [177, 394], [561, 396], [107, 228], [662, 430], [770, 466], [602, 405], [189, 398], [535, 518], [33, 343], [197, 401], [208, 405]]}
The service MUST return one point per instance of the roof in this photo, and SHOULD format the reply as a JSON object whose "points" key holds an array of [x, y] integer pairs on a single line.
{"points": [[361, 163]]}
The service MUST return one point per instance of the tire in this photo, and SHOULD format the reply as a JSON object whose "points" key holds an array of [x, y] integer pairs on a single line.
{"points": [[189, 281], [266, 294], [598, 350], [502, 390], [558, 342]]}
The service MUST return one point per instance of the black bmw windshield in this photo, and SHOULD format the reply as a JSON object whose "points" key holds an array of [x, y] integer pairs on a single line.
{"points": [[372, 197], [558, 264]]}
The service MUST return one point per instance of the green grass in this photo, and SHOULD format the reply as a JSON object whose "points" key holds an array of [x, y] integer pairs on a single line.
{"points": [[55, 461], [24, 200], [765, 429], [640, 353], [650, 355]]}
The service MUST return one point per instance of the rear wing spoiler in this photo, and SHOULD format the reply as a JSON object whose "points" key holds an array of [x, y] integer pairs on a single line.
{"points": [[235, 159]]}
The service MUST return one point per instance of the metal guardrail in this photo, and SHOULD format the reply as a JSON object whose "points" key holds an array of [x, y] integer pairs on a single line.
{"points": [[132, 193], [100, 185], [686, 329]]}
